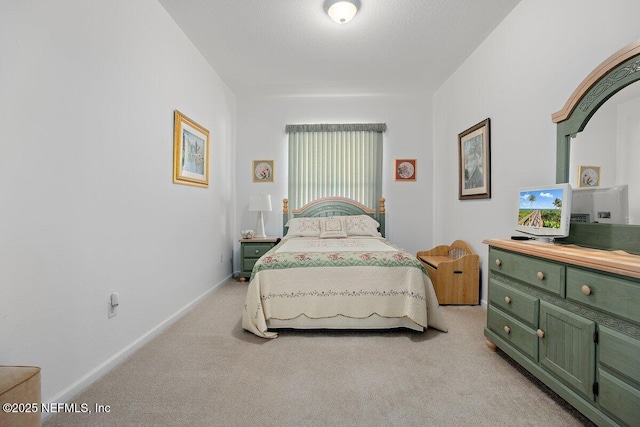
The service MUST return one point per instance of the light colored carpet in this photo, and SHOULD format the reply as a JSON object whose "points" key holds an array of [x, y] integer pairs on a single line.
{"points": [[205, 370]]}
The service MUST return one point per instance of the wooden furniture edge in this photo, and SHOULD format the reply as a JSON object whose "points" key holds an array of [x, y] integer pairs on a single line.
{"points": [[433, 260], [442, 267], [259, 239], [381, 205], [615, 262], [440, 253], [607, 65], [332, 199]]}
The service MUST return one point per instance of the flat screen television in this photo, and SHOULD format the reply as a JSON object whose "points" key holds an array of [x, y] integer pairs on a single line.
{"points": [[607, 205], [544, 212]]}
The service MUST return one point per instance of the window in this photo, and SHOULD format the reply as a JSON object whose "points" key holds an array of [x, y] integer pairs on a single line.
{"points": [[343, 160]]}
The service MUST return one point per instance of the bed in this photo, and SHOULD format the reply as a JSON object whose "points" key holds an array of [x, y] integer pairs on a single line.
{"points": [[334, 269]]}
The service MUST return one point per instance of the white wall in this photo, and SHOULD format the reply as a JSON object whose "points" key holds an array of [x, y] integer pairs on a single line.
{"points": [[627, 170], [521, 74], [261, 135], [87, 94], [586, 147]]}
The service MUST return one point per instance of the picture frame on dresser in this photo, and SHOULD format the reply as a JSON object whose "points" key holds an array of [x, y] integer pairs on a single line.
{"points": [[588, 176], [474, 162], [190, 152]]}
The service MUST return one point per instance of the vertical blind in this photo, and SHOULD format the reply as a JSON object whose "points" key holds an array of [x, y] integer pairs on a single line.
{"points": [[342, 160]]}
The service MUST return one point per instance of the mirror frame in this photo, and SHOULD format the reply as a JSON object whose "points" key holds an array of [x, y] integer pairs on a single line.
{"points": [[615, 73]]}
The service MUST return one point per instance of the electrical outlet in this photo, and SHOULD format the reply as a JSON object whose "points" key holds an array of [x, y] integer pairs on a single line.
{"points": [[221, 258], [111, 310], [112, 305]]}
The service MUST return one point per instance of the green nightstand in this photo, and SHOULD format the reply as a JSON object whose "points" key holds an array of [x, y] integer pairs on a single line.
{"points": [[250, 251]]}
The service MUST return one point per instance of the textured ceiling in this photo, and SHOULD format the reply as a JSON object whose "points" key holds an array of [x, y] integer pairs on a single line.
{"points": [[291, 47]]}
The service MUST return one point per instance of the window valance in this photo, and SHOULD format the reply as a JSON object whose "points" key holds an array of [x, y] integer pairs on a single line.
{"points": [[346, 127]]}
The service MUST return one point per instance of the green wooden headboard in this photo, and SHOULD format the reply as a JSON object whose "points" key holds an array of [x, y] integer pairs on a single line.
{"points": [[333, 206]]}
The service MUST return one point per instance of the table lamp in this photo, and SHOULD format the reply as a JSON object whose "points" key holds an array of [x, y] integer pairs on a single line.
{"points": [[260, 203]]}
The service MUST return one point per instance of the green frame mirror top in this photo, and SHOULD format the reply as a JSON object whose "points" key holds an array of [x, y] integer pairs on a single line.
{"points": [[615, 73]]}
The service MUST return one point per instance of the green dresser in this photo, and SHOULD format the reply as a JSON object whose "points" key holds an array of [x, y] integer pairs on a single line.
{"points": [[571, 317], [250, 251]]}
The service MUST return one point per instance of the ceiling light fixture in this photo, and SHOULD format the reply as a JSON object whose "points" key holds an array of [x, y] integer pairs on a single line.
{"points": [[342, 11]]}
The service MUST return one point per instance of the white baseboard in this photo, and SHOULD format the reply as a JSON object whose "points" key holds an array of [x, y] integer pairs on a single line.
{"points": [[94, 375]]}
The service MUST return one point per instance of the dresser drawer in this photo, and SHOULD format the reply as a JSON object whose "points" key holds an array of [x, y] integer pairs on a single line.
{"points": [[619, 352], [545, 275], [611, 294], [248, 263], [513, 331], [514, 302], [618, 398], [250, 251], [255, 250]]}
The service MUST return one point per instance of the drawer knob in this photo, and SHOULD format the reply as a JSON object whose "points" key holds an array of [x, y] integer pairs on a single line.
{"points": [[507, 300], [540, 275], [507, 329], [586, 290], [498, 262], [540, 333], [257, 251]]}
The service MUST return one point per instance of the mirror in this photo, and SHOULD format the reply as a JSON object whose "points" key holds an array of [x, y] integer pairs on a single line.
{"points": [[621, 70], [611, 141]]}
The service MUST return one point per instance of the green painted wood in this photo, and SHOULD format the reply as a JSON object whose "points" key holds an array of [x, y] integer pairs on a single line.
{"points": [[621, 354], [569, 361], [611, 294], [380, 217], [567, 348], [249, 254], [619, 399], [527, 269], [585, 406], [604, 236], [511, 330], [285, 219], [513, 302]]}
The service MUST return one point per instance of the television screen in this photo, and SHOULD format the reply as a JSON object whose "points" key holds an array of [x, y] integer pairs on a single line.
{"points": [[544, 212]]}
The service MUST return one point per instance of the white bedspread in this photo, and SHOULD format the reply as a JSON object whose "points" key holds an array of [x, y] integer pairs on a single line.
{"points": [[325, 278], [354, 244]]}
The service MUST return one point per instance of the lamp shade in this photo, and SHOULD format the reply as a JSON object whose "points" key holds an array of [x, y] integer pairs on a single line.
{"points": [[342, 11], [260, 203]]}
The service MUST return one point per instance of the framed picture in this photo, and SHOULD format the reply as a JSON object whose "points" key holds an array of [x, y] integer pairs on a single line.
{"points": [[263, 171], [405, 170], [190, 152], [588, 176], [474, 153]]}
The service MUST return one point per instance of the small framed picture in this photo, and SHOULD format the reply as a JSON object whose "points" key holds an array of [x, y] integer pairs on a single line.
{"points": [[588, 176], [405, 170], [474, 152], [263, 171], [190, 152]]}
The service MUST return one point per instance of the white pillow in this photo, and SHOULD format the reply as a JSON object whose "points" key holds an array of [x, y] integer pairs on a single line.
{"points": [[361, 225], [332, 227], [303, 227]]}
